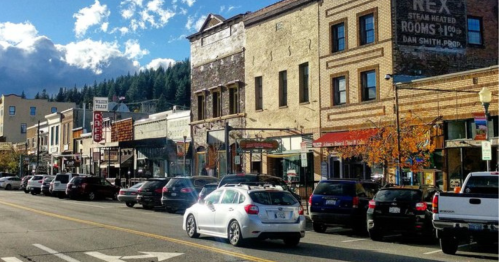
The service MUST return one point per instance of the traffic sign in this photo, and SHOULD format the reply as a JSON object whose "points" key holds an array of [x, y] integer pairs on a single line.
{"points": [[303, 159], [486, 150]]}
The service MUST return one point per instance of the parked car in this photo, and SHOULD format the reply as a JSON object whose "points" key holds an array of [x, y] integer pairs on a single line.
{"points": [[91, 187], [257, 178], [149, 194], [35, 184], [10, 182], [207, 189], [59, 184], [405, 210], [4, 174], [24, 183], [340, 202], [129, 195], [182, 192], [46, 185], [243, 212]]}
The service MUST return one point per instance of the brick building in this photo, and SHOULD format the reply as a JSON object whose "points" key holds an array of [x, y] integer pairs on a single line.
{"points": [[217, 91], [360, 42], [282, 89]]}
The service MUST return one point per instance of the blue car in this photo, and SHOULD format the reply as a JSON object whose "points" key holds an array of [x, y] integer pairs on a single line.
{"points": [[341, 202]]}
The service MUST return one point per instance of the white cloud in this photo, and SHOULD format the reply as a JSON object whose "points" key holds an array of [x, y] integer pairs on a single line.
{"points": [[174, 39], [90, 54], [190, 22], [104, 27], [222, 9], [152, 14], [133, 51], [163, 62], [90, 16], [200, 22], [189, 2], [230, 8], [17, 33], [183, 11]]}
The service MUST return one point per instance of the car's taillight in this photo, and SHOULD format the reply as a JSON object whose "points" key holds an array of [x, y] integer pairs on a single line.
{"points": [[355, 202], [158, 190], [40, 181], [83, 185], [421, 206], [434, 204], [300, 210], [310, 199], [122, 192], [165, 190], [372, 204], [251, 209], [139, 191], [186, 190]]}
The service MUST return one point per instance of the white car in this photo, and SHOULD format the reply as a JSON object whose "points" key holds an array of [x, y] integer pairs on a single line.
{"points": [[59, 183], [10, 182], [243, 212], [35, 184]]}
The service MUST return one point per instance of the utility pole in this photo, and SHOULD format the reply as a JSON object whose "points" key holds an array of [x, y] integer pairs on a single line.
{"points": [[37, 146]]}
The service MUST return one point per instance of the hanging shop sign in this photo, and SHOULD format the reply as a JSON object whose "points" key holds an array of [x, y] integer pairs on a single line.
{"points": [[101, 104], [432, 23], [97, 128], [249, 144], [481, 126]]}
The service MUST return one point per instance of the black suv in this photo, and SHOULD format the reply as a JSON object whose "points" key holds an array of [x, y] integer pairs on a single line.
{"points": [[405, 210], [257, 178], [182, 192], [91, 187], [341, 202], [149, 194]]}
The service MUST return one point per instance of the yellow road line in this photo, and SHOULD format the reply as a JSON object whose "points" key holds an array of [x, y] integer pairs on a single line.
{"points": [[140, 233]]}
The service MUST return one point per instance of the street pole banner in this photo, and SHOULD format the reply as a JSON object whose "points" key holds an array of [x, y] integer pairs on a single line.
{"points": [[481, 126], [97, 128]]}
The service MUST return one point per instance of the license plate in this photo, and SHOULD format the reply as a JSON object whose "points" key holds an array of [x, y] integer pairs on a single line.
{"points": [[394, 210], [475, 226], [280, 215], [330, 202], [174, 194]]}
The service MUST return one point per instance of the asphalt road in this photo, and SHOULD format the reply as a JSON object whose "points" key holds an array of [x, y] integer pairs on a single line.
{"points": [[40, 228]]}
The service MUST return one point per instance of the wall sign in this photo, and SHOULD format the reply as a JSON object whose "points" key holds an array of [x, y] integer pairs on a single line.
{"points": [[101, 104], [269, 144], [97, 128], [432, 23]]}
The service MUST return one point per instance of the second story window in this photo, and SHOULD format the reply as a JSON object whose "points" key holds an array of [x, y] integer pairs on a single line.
{"points": [[23, 128], [234, 106], [304, 96], [368, 85], [339, 90], [475, 31], [201, 107], [12, 110], [283, 88], [366, 29], [338, 35], [258, 93], [32, 111], [217, 102]]}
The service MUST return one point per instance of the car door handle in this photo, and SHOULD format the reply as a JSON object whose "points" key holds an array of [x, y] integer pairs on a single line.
{"points": [[475, 201], [231, 209]]}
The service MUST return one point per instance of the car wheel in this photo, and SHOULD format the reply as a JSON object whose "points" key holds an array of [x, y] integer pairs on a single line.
{"points": [[375, 235], [130, 204], [32, 192], [91, 196], [8, 187], [319, 228], [191, 227], [449, 245], [291, 242], [234, 234]]}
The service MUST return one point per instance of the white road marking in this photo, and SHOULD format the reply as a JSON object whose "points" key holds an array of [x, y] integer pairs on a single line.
{"points": [[354, 240], [74, 203], [55, 253], [160, 255], [11, 259]]}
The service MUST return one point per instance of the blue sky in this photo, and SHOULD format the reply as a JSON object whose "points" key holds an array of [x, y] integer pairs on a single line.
{"points": [[65, 43]]}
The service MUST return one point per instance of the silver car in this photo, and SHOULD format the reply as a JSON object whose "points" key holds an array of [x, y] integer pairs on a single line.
{"points": [[10, 182], [129, 195], [242, 212]]}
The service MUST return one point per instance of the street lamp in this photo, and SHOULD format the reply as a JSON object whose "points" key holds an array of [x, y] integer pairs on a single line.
{"points": [[485, 97]]}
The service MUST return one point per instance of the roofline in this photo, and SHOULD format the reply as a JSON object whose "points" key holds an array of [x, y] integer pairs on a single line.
{"points": [[226, 21], [256, 18]]}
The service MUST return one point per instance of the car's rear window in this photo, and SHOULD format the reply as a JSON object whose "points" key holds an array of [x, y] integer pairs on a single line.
{"points": [[237, 179], [154, 184], [337, 188], [391, 195], [62, 178], [200, 182], [179, 182], [482, 184], [281, 198]]}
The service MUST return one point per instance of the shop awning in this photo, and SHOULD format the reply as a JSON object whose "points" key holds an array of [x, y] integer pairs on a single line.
{"points": [[345, 138]]}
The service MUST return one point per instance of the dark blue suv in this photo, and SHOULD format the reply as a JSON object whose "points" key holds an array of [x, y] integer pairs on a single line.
{"points": [[341, 202]]}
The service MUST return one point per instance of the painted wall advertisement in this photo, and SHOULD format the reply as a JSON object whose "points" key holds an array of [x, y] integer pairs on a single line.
{"points": [[432, 23]]}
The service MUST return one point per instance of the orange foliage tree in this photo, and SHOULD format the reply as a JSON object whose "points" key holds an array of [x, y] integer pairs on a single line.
{"points": [[378, 146]]}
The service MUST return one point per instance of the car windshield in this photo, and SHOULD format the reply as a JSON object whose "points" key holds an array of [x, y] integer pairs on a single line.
{"points": [[281, 198], [336, 188], [137, 185], [392, 195]]}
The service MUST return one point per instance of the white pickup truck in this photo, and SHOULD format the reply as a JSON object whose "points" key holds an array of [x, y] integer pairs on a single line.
{"points": [[470, 215]]}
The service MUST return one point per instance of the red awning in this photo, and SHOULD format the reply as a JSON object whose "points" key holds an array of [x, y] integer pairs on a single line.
{"points": [[345, 138]]}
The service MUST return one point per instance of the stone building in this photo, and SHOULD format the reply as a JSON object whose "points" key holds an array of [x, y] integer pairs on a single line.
{"points": [[365, 47], [217, 91], [282, 92]]}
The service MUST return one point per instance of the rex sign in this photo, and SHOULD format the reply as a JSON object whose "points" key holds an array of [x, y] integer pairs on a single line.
{"points": [[431, 23]]}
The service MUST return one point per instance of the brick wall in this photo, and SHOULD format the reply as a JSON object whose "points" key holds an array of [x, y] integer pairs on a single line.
{"points": [[122, 130]]}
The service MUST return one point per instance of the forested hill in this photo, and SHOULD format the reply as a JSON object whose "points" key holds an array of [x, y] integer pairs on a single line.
{"points": [[171, 86]]}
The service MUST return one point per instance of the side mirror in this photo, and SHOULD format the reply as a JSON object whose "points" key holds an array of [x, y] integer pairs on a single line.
{"points": [[200, 201]]}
